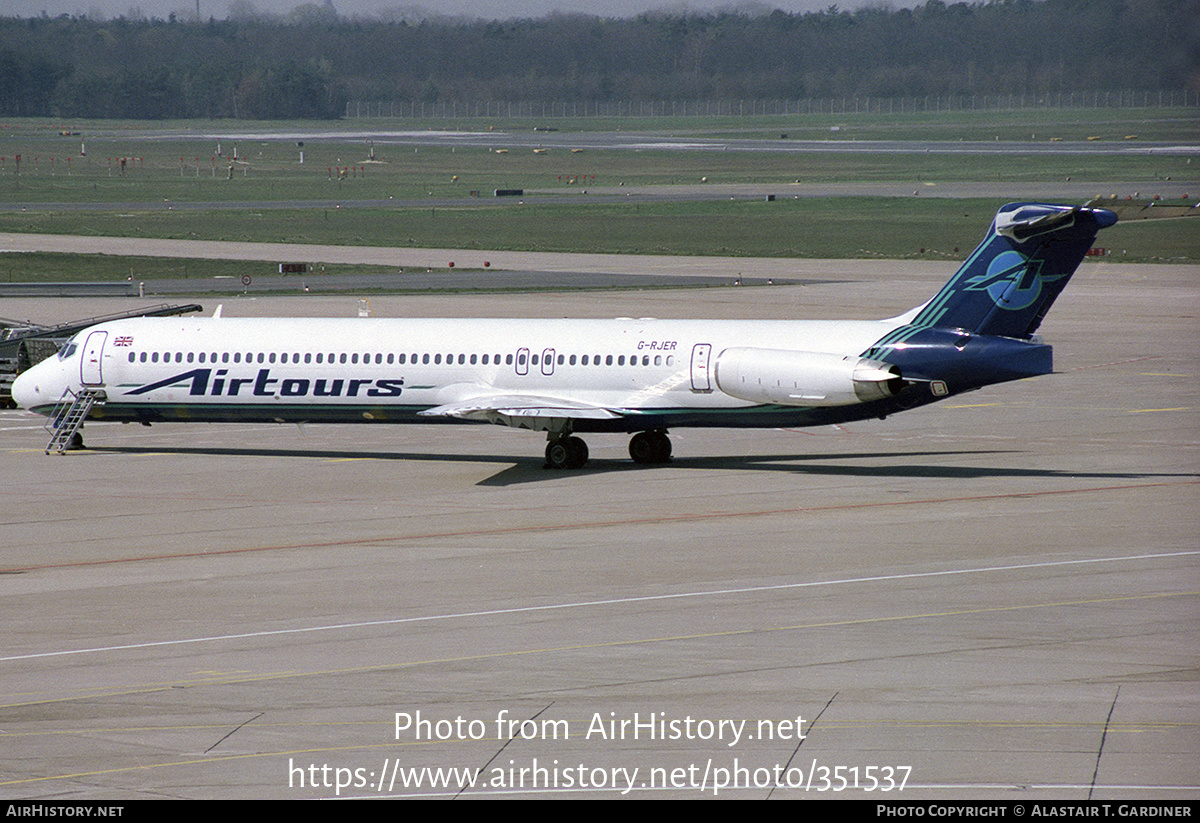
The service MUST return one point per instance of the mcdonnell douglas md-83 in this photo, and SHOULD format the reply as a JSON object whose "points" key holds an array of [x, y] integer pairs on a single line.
{"points": [[566, 377]]}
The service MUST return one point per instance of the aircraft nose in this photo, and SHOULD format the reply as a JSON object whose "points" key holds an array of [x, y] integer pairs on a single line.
{"points": [[31, 388]]}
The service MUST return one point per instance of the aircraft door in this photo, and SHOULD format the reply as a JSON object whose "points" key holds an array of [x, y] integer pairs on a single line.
{"points": [[522, 364], [548, 362], [701, 354], [91, 372]]}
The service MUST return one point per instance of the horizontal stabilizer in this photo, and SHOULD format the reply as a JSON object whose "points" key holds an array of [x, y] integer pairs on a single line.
{"points": [[1148, 209]]}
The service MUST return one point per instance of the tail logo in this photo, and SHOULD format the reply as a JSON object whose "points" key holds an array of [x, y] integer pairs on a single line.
{"points": [[1013, 281]]}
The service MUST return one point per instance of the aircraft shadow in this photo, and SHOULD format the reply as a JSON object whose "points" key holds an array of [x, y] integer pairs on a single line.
{"points": [[818, 464], [531, 469]]}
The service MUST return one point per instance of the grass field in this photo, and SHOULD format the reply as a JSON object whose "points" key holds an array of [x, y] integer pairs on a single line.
{"points": [[53, 185], [188, 169], [25, 267], [805, 228], [265, 174]]}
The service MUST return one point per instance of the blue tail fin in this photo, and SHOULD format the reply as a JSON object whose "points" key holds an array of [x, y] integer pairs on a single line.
{"points": [[1008, 284]]}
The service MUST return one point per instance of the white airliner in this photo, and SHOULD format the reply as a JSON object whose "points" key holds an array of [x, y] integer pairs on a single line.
{"points": [[565, 377]]}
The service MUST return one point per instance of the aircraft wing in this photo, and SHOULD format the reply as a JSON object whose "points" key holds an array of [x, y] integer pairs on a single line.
{"points": [[497, 407]]}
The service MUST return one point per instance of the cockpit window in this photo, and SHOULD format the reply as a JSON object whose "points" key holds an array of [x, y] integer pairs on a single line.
{"points": [[67, 350]]}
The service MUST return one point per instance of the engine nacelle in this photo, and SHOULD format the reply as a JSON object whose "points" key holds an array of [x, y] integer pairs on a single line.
{"points": [[800, 378]]}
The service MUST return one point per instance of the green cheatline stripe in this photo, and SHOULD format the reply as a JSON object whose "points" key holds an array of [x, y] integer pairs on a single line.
{"points": [[936, 307], [934, 311], [889, 340], [260, 410]]}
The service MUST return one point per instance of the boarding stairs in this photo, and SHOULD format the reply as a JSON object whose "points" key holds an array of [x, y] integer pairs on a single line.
{"points": [[67, 418]]}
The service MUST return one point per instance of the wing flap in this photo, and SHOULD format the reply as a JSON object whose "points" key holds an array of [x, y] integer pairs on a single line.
{"points": [[491, 407]]}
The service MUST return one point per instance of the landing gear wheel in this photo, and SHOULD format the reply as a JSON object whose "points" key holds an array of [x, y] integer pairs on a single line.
{"points": [[76, 442], [579, 450], [650, 447], [566, 453]]}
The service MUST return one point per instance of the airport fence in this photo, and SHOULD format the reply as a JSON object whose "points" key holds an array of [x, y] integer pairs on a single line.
{"points": [[454, 109]]}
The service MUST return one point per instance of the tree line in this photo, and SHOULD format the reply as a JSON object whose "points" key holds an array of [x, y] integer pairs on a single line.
{"points": [[309, 63]]}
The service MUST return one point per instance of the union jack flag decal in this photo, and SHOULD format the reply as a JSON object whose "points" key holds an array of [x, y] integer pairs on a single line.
{"points": [[123, 341]]}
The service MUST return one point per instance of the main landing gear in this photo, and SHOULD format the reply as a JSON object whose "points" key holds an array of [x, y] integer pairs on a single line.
{"points": [[650, 447], [566, 453], [570, 452]]}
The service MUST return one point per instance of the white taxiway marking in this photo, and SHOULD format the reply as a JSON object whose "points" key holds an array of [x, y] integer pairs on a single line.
{"points": [[588, 603]]}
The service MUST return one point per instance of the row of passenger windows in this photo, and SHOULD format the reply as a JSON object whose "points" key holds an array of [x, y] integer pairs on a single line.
{"points": [[520, 358]]}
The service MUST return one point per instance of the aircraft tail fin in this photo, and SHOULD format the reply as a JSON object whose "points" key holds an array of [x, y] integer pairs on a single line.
{"points": [[1009, 283]]}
